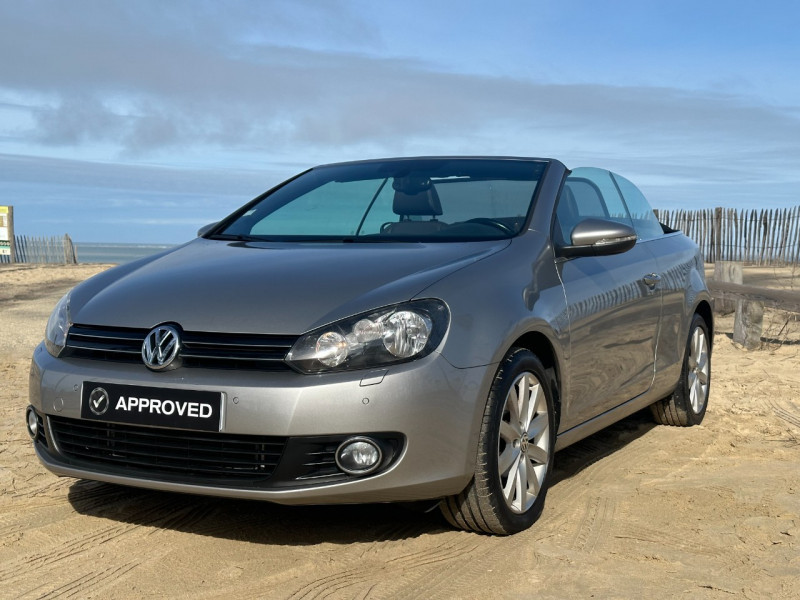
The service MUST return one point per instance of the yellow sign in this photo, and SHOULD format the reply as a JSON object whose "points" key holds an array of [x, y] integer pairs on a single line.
{"points": [[5, 242]]}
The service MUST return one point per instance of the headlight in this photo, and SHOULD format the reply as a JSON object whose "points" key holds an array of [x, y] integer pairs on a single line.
{"points": [[382, 337], [55, 335]]}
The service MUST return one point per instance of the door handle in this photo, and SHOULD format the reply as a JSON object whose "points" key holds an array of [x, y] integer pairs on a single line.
{"points": [[651, 280]]}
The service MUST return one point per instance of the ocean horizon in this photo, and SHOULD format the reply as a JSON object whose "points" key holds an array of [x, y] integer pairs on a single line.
{"points": [[118, 253]]}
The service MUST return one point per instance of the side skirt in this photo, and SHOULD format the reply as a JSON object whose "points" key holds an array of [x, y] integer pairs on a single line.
{"points": [[595, 424]]}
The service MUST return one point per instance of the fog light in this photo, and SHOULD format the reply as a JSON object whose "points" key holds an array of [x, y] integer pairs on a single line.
{"points": [[359, 456], [33, 423]]}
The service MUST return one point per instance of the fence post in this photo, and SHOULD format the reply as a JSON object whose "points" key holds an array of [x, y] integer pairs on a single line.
{"points": [[12, 244], [69, 251], [731, 272], [765, 235], [748, 324]]}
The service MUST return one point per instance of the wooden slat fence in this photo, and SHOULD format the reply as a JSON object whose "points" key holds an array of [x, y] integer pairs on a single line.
{"points": [[757, 236], [43, 250]]}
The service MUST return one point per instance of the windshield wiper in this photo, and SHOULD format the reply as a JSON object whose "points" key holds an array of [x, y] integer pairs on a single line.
{"points": [[233, 237], [377, 239]]}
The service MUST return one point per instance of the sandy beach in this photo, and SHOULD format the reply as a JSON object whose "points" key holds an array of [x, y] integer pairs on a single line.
{"points": [[637, 510]]}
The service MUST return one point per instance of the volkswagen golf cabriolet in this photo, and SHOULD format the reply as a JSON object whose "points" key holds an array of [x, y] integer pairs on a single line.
{"points": [[381, 331]]}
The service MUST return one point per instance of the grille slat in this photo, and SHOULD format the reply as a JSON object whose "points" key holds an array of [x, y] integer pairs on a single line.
{"points": [[123, 335], [320, 464], [150, 435], [174, 466], [93, 346], [41, 437], [164, 465], [224, 459], [246, 354], [167, 450], [199, 349]]}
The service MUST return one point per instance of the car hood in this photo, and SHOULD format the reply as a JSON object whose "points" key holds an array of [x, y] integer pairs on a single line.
{"points": [[236, 287]]}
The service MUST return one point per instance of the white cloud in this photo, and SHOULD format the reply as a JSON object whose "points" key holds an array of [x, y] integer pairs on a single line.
{"points": [[251, 92], [135, 77]]}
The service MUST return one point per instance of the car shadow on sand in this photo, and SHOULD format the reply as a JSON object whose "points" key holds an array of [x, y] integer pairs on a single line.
{"points": [[272, 524], [254, 521], [580, 455]]}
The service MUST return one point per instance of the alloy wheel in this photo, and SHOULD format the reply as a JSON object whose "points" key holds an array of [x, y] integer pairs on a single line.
{"points": [[523, 445], [698, 370]]}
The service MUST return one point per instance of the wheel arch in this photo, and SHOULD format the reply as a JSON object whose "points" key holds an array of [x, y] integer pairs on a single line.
{"points": [[704, 310], [540, 345]]}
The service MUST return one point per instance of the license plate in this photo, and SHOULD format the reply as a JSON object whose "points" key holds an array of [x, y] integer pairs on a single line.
{"points": [[161, 407]]}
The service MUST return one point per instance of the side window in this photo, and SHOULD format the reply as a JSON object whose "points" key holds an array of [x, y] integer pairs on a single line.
{"points": [[588, 193], [644, 220], [588, 198]]}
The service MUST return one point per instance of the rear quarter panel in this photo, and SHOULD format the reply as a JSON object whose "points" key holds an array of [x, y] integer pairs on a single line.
{"points": [[683, 290]]}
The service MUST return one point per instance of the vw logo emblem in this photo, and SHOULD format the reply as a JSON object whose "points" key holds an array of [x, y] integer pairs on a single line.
{"points": [[161, 347], [98, 401]]}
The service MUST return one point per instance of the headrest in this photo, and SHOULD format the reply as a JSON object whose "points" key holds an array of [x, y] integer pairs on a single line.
{"points": [[411, 184], [415, 196]]}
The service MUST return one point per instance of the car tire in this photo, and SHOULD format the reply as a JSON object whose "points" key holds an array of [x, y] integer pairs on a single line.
{"points": [[687, 404], [515, 451]]}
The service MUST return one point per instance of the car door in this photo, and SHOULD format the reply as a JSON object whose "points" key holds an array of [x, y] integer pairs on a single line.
{"points": [[675, 261], [613, 303]]}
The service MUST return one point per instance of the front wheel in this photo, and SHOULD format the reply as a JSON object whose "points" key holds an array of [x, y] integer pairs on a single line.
{"points": [[515, 452], [687, 404]]}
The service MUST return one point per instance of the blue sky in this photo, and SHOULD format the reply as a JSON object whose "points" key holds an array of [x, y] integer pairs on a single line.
{"points": [[142, 121]]}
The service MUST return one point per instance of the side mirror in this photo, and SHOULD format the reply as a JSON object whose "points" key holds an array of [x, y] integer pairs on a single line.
{"points": [[598, 237], [206, 228]]}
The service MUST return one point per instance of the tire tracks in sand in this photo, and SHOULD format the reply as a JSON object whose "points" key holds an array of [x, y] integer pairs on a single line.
{"points": [[431, 564], [786, 410], [69, 566]]}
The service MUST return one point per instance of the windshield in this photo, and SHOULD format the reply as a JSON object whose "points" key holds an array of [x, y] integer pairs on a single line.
{"points": [[395, 200]]}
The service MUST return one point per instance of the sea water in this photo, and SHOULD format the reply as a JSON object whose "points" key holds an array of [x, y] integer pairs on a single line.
{"points": [[115, 253]]}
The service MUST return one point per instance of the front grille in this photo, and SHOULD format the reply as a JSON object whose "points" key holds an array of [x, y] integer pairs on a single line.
{"points": [[169, 454], [199, 349]]}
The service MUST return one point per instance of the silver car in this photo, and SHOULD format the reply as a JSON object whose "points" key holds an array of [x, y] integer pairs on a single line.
{"points": [[381, 331]]}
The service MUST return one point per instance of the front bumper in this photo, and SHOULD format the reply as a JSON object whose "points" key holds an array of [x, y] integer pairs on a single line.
{"points": [[433, 408]]}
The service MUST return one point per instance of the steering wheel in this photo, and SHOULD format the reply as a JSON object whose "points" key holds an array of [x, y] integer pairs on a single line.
{"points": [[492, 223]]}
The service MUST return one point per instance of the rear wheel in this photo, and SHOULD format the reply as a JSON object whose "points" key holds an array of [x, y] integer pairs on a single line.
{"points": [[515, 452], [687, 404]]}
